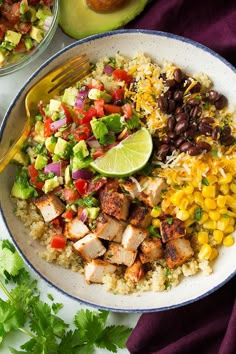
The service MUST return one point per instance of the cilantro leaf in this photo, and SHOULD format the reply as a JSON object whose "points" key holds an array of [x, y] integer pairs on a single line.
{"points": [[198, 214], [113, 337], [11, 262], [205, 181], [11, 318]]}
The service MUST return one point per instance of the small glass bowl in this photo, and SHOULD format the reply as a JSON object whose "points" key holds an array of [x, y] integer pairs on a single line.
{"points": [[39, 49]]}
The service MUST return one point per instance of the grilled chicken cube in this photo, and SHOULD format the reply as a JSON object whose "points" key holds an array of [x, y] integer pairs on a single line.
{"points": [[172, 228], [108, 228], [135, 272], [133, 237], [76, 229], [115, 204], [177, 252], [131, 188], [152, 188], [90, 247], [117, 254], [95, 270], [140, 216], [50, 206], [151, 249]]}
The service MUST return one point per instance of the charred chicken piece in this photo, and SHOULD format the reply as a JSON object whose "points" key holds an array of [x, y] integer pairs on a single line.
{"points": [[140, 216], [108, 228], [172, 228], [151, 249], [90, 247], [95, 270], [177, 252], [136, 272], [115, 204], [50, 206], [117, 254]]}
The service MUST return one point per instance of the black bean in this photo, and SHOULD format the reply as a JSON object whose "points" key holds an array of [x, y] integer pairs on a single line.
{"points": [[170, 123], [170, 82], [205, 129], [178, 75], [181, 126], [204, 145], [191, 133], [172, 135], [168, 94], [185, 146], [228, 140], [179, 141], [178, 96], [221, 102], [226, 131], [196, 112], [178, 110], [194, 151], [163, 151], [207, 120], [171, 106], [165, 140], [216, 133], [156, 142], [213, 96], [194, 102], [181, 116], [162, 103], [196, 88]]}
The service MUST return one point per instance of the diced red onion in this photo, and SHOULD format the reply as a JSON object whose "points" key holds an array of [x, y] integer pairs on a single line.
{"points": [[47, 23], [84, 215], [82, 94], [54, 126], [54, 167], [83, 173], [93, 142], [108, 69]]}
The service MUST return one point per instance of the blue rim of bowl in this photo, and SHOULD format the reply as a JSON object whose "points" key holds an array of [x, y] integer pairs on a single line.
{"points": [[11, 68], [75, 44]]}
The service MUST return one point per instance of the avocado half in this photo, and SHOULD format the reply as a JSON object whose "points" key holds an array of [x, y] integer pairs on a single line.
{"points": [[77, 20]]}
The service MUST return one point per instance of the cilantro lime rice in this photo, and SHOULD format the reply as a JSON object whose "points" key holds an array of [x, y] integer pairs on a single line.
{"points": [[134, 232]]}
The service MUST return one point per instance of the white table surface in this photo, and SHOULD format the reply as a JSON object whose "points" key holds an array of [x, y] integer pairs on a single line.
{"points": [[9, 86]]}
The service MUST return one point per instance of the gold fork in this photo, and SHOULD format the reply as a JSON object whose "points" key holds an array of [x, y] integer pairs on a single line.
{"points": [[51, 85]]}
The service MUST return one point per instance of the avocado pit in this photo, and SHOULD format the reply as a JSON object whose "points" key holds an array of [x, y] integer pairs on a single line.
{"points": [[104, 6]]}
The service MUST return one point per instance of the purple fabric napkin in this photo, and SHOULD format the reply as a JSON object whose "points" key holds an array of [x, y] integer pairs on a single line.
{"points": [[209, 22], [207, 326]]}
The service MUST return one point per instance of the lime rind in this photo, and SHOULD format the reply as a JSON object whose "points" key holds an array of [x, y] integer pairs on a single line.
{"points": [[126, 158]]}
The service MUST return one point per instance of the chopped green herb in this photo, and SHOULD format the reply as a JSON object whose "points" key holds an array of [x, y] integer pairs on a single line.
{"points": [[170, 221], [226, 216], [205, 181], [153, 232], [198, 214]]}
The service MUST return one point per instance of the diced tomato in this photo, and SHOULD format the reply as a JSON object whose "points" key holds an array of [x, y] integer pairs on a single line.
{"points": [[81, 185], [82, 132], [58, 241], [122, 75], [95, 185], [97, 153], [68, 115], [56, 224], [127, 110], [99, 104], [11, 11], [111, 108], [68, 214], [33, 174], [1, 34], [69, 195], [47, 127], [117, 95], [23, 27], [88, 115], [20, 48]]}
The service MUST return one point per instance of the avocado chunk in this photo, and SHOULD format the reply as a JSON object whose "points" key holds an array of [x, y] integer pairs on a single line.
{"points": [[78, 20], [21, 188]]}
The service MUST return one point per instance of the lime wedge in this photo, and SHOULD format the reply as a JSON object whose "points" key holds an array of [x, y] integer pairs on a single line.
{"points": [[129, 156]]}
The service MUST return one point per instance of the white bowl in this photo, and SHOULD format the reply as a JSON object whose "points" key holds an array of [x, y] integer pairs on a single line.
{"points": [[192, 57]]}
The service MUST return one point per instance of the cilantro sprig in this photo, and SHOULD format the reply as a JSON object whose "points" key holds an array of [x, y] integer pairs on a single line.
{"points": [[48, 333]]}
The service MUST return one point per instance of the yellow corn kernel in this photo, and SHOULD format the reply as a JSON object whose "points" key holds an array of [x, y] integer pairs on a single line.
{"points": [[228, 241], [209, 191], [189, 222], [231, 219], [156, 212], [229, 229], [222, 223], [202, 237], [204, 218], [182, 215], [188, 190], [210, 225], [190, 198], [212, 179], [224, 188], [198, 198], [232, 187], [214, 215], [183, 204], [231, 201], [218, 236], [223, 211], [205, 251], [192, 210], [214, 254], [225, 179], [177, 197], [220, 201], [156, 222], [209, 203]]}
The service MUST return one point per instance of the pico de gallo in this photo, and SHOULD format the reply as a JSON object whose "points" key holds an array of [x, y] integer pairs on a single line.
{"points": [[23, 25]]}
